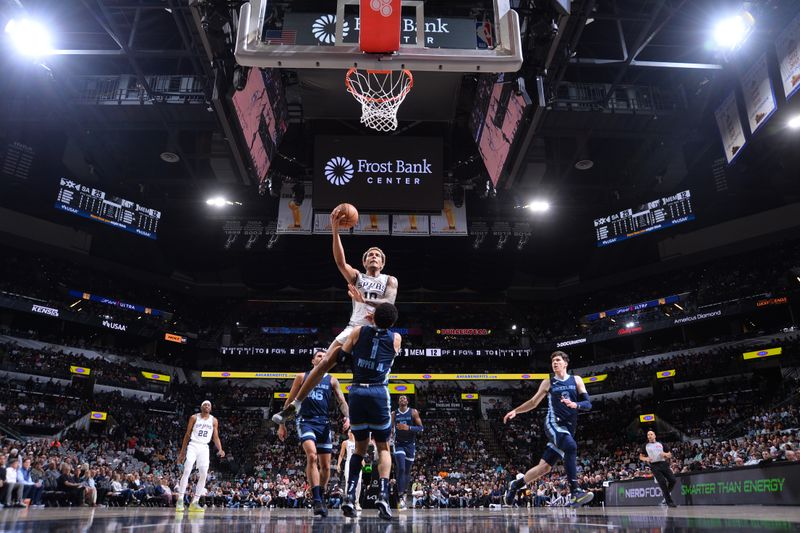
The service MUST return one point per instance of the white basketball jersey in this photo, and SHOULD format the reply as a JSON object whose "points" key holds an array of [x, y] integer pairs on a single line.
{"points": [[370, 289], [203, 429]]}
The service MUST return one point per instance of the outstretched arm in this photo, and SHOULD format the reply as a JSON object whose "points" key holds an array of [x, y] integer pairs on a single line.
{"points": [[298, 381], [350, 274], [537, 398]]}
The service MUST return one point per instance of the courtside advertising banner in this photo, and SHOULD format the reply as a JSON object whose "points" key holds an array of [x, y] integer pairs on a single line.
{"points": [[383, 173], [410, 225], [759, 97], [452, 221], [730, 127], [788, 47], [771, 484], [293, 217], [371, 224]]}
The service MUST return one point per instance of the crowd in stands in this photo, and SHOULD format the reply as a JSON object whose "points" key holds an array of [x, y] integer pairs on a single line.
{"points": [[462, 460]]}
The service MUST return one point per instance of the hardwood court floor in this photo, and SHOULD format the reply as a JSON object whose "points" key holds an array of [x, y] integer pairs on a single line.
{"points": [[161, 520]]}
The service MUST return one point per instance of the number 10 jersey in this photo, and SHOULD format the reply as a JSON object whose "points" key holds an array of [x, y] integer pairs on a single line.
{"points": [[370, 289]]}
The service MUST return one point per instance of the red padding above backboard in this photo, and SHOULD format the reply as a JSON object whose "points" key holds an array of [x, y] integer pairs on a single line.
{"points": [[380, 26]]}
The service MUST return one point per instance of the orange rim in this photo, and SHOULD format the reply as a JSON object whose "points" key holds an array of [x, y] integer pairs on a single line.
{"points": [[400, 96]]}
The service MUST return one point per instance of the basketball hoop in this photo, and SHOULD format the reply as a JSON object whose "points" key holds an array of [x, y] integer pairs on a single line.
{"points": [[380, 93]]}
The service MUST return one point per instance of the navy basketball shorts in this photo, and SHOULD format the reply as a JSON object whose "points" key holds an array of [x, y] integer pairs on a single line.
{"points": [[318, 430], [370, 412], [407, 449]]}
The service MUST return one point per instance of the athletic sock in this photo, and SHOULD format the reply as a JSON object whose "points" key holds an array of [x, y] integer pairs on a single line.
{"points": [[385, 488], [317, 493], [354, 469]]}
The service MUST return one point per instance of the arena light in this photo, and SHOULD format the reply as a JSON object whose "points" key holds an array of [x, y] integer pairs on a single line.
{"points": [[794, 122], [538, 206], [29, 37], [630, 324], [731, 32], [220, 202]]}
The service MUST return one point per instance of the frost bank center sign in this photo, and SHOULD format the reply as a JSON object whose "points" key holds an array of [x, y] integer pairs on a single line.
{"points": [[388, 174], [774, 484]]}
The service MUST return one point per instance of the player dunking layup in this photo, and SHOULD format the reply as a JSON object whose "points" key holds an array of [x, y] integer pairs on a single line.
{"points": [[565, 395], [314, 430], [201, 429], [407, 425], [373, 350], [366, 290]]}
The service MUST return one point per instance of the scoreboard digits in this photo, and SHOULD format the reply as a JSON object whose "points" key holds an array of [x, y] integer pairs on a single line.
{"points": [[655, 215], [96, 205]]}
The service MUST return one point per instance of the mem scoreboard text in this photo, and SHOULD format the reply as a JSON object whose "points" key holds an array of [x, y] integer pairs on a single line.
{"points": [[96, 205], [658, 214]]}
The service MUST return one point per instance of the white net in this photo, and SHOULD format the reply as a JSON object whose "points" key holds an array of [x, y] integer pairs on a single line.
{"points": [[380, 93]]}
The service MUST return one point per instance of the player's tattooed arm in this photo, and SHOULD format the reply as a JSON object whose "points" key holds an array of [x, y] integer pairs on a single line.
{"points": [[389, 296], [343, 407]]}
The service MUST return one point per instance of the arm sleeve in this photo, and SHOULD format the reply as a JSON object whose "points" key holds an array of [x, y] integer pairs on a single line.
{"points": [[415, 429], [584, 403]]}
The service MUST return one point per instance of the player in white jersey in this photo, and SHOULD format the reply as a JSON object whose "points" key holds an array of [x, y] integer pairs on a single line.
{"points": [[201, 429], [368, 290], [345, 453]]}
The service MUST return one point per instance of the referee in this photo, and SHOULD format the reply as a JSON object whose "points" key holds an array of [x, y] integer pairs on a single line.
{"points": [[659, 465]]}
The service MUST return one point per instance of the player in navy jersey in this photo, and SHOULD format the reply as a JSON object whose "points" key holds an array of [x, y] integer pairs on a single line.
{"points": [[565, 395], [314, 430], [407, 425], [372, 350]]}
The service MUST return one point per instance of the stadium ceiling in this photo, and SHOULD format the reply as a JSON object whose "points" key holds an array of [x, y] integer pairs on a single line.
{"points": [[138, 78]]}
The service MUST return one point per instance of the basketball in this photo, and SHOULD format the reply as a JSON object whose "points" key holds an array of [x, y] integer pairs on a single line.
{"points": [[348, 216]]}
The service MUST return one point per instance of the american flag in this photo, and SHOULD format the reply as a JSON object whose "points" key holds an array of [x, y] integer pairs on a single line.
{"points": [[280, 36]]}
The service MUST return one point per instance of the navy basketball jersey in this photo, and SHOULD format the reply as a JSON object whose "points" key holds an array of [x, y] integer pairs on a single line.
{"points": [[558, 413], [373, 356], [403, 418], [317, 403]]}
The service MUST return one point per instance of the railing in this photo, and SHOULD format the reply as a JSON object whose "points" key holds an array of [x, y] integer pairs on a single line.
{"points": [[624, 99], [126, 90]]}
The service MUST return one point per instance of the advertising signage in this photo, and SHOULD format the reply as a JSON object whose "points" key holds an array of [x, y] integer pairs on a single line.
{"points": [[319, 29], [379, 174], [772, 484]]}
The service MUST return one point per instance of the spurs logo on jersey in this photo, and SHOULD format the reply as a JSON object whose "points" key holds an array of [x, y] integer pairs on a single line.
{"points": [[370, 289], [203, 429]]}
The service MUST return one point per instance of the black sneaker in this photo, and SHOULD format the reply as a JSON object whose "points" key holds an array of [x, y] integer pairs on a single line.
{"points": [[285, 414], [349, 508], [672, 504], [320, 509], [384, 511], [581, 498], [513, 488]]}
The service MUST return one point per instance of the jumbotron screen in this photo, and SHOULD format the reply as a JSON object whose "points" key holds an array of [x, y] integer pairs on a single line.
{"points": [[100, 206], [655, 215]]}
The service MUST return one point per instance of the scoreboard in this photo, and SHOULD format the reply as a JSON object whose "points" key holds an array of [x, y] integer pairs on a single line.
{"points": [[99, 206], [658, 214]]}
